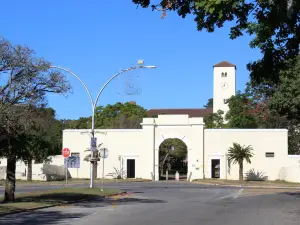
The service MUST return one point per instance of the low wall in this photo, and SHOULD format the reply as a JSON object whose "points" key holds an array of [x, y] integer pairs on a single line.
{"points": [[279, 167]]}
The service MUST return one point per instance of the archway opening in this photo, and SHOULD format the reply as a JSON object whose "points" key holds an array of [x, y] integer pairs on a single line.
{"points": [[172, 159]]}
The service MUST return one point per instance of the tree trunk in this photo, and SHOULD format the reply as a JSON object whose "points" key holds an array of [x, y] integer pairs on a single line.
{"points": [[29, 170], [241, 172], [163, 163], [10, 183]]}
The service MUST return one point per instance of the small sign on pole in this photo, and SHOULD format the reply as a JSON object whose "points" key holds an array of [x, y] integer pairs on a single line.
{"points": [[72, 162], [93, 144], [103, 155], [66, 153]]}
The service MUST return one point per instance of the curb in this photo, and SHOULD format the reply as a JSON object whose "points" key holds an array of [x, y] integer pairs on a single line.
{"points": [[245, 186], [122, 193]]}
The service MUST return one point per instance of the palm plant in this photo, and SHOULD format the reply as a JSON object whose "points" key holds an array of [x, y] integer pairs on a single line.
{"points": [[237, 154]]}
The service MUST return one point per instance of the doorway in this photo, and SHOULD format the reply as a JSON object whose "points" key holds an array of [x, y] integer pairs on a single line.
{"points": [[130, 168], [215, 168], [172, 157]]}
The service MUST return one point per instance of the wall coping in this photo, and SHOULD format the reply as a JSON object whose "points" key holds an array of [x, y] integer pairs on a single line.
{"points": [[245, 130], [104, 130]]}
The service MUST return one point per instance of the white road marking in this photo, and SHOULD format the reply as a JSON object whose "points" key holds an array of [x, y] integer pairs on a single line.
{"points": [[239, 193], [235, 195]]}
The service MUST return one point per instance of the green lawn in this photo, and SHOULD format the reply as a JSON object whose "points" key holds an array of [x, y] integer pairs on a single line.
{"points": [[27, 201]]}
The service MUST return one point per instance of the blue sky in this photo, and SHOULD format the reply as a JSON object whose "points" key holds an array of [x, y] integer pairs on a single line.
{"points": [[95, 39]]}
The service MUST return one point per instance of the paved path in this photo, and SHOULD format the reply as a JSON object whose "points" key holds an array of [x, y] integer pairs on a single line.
{"points": [[174, 203]]}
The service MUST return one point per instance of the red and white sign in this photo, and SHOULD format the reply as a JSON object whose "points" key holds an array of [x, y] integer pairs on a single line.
{"points": [[66, 152]]}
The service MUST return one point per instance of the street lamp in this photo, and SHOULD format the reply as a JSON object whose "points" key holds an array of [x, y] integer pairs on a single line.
{"points": [[172, 148], [94, 103]]}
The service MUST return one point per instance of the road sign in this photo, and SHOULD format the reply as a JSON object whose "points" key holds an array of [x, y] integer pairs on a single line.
{"points": [[93, 144], [104, 153], [72, 162], [66, 152]]}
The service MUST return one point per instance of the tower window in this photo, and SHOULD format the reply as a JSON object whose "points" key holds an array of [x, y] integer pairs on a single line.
{"points": [[224, 74], [225, 101]]}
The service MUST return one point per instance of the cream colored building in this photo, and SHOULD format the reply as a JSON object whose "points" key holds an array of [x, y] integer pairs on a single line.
{"points": [[207, 148], [136, 151]]}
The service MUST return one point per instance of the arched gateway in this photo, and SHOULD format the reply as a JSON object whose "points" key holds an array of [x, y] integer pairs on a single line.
{"points": [[189, 130]]}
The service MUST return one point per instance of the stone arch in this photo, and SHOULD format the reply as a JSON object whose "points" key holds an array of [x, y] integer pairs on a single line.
{"points": [[172, 135]]}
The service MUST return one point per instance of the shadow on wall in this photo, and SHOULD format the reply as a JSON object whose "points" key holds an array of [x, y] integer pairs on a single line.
{"points": [[253, 175]]}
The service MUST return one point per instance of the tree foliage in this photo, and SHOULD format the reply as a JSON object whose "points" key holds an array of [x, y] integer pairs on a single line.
{"points": [[209, 104], [116, 116], [214, 120], [169, 159], [41, 138], [120, 116], [240, 114], [274, 25], [25, 81]]}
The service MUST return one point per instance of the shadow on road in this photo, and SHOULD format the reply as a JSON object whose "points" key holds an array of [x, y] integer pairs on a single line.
{"points": [[294, 194], [64, 197], [40, 217], [122, 201], [53, 216]]}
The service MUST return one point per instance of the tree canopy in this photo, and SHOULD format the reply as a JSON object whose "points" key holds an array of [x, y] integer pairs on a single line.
{"points": [[116, 116], [25, 82], [273, 24]]}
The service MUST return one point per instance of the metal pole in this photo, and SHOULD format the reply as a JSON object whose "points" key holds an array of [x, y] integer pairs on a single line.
{"points": [[66, 176], [92, 153], [103, 171], [94, 103]]}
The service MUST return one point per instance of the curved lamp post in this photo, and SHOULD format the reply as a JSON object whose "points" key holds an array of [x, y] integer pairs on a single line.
{"points": [[94, 103]]}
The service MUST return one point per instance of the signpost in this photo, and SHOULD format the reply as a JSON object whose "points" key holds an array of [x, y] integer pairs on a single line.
{"points": [[66, 153], [103, 154], [93, 144], [72, 162]]}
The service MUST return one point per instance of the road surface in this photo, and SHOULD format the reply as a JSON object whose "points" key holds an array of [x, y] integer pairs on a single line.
{"points": [[174, 203]]}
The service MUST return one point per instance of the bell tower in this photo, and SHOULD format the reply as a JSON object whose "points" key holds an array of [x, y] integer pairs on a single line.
{"points": [[224, 85]]}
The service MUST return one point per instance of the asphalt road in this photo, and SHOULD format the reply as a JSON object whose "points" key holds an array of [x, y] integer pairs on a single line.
{"points": [[173, 203]]}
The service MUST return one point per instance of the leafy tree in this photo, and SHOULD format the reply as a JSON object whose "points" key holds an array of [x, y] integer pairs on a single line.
{"points": [[237, 154], [274, 25], [169, 158], [41, 139], [26, 81], [284, 105], [215, 120], [210, 103], [120, 116], [240, 114]]}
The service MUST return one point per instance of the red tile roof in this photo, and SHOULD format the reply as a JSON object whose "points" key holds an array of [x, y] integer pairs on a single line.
{"points": [[190, 112], [224, 64]]}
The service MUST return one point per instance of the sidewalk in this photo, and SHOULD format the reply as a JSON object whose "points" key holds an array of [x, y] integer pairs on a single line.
{"points": [[249, 184]]}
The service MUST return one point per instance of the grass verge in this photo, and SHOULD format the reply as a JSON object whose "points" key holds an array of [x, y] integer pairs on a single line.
{"points": [[74, 181], [277, 183], [61, 196]]}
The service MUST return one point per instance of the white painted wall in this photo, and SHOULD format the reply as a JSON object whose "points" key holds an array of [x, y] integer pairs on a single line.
{"points": [[282, 166], [125, 143], [203, 146]]}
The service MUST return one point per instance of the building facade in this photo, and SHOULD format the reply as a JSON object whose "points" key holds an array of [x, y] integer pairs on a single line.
{"points": [[135, 152], [207, 149]]}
